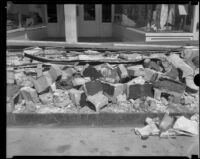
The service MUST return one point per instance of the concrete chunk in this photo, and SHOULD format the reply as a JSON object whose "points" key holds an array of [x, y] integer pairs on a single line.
{"points": [[78, 97], [41, 84], [98, 100], [80, 81], [92, 87], [122, 71], [55, 72], [29, 94], [46, 98]]}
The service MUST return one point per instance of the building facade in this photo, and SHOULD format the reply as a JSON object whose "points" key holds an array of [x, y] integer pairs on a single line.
{"points": [[127, 23]]}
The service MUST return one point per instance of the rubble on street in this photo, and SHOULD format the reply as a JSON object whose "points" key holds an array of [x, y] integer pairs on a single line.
{"points": [[63, 81]]}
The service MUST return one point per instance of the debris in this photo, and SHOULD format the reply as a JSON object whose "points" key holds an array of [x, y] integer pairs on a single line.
{"points": [[92, 73], [78, 97], [61, 98], [10, 75], [166, 122], [138, 80], [80, 81], [135, 71], [113, 89], [137, 91], [122, 71], [41, 84], [98, 100], [55, 72], [29, 94], [46, 98], [92, 87], [186, 125]]}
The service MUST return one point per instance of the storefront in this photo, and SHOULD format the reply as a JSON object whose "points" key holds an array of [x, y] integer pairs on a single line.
{"points": [[129, 23]]}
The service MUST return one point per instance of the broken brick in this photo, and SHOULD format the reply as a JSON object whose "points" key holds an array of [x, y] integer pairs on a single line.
{"points": [[41, 84], [135, 91], [92, 87], [29, 94], [98, 100], [55, 72], [169, 85], [78, 97], [46, 98], [113, 89], [150, 75], [80, 81], [135, 71], [92, 73], [122, 71]]}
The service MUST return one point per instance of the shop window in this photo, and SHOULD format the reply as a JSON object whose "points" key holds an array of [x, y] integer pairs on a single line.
{"points": [[89, 12], [24, 15], [106, 13], [156, 18], [52, 13]]}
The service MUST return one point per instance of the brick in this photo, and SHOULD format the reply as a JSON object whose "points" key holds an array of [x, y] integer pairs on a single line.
{"points": [[150, 75], [55, 72], [29, 94], [98, 100], [41, 84], [179, 63], [169, 85], [122, 71], [80, 81], [135, 91], [137, 80], [78, 97], [135, 71], [91, 72], [46, 98], [10, 76], [92, 87], [113, 90], [166, 122], [109, 73]]}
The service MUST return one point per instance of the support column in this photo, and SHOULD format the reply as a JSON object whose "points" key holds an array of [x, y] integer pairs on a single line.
{"points": [[70, 23], [196, 20]]}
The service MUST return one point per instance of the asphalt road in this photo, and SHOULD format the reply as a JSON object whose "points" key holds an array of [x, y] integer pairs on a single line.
{"points": [[94, 141]]}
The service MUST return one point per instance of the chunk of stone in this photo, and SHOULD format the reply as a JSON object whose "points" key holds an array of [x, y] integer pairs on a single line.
{"points": [[122, 71], [147, 131], [92, 73], [67, 73], [169, 85], [98, 100], [61, 98], [135, 71], [55, 72], [113, 89], [131, 57], [30, 106], [109, 73], [135, 91], [180, 64], [137, 80], [170, 69], [46, 98], [166, 122], [41, 84], [20, 77], [80, 81], [29, 94], [121, 98], [153, 65], [189, 80], [92, 87], [150, 75], [39, 70], [186, 125], [78, 97]]}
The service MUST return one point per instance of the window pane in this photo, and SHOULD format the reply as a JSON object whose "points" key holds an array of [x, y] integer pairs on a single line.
{"points": [[106, 13], [89, 12], [52, 13]]}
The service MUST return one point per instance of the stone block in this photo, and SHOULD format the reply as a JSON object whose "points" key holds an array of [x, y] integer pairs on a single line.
{"points": [[169, 85], [78, 97], [135, 71], [29, 94], [122, 71], [150, 75], [41, 84], [166, 122], [80, 81], [135, 91], [93, 87], [113, 90], [46, 98], [55, 72], [91, 72], [98, 100]]}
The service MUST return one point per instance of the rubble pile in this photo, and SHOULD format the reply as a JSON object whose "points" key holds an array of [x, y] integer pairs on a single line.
{"points": [[106, 82], [169, 126]]}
